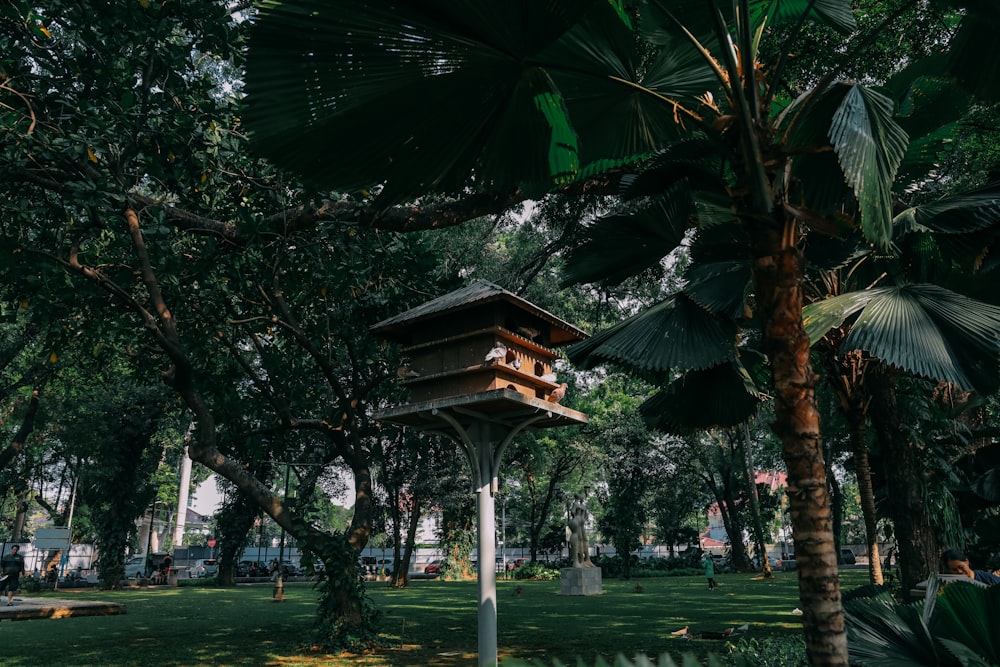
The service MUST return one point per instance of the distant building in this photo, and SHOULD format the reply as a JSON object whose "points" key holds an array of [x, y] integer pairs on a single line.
{"points": [[716, 538]]}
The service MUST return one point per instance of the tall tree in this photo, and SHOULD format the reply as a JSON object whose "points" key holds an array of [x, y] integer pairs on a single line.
{"points": [[548, 66], [186, 254]]}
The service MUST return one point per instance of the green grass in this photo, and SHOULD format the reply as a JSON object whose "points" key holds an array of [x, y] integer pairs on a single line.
{"points": [[430, 623]]}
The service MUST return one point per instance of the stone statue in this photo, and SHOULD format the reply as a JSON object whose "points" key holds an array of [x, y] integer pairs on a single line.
{"points": [[579, 548]]}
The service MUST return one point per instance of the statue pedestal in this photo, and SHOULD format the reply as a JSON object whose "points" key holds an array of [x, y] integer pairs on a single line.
{"points": [[580, 581]]}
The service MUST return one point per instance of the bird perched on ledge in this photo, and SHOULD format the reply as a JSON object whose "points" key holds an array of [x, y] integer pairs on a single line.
{"points": [[407, 372], [498, 353], [557, 394]]}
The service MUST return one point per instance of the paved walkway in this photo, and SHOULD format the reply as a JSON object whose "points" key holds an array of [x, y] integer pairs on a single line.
{"points": [[29, 608]]}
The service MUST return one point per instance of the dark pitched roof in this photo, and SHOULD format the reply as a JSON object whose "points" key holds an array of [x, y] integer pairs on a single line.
{"points": [[476, 293]]}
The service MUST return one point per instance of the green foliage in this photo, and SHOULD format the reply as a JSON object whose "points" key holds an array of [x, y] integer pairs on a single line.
{"points": [[536, 570], [956, 623], [620, 660], [121, 455], [769, 652]]}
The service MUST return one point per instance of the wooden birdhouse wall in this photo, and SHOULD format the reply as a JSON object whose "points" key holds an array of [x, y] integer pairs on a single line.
{"points": [[449, 354]]}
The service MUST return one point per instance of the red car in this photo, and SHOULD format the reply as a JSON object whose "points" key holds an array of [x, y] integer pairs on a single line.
{"points": [[434, 567]]}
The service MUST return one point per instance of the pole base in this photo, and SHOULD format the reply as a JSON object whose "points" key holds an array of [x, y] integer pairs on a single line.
{"points": [[279, 591]]}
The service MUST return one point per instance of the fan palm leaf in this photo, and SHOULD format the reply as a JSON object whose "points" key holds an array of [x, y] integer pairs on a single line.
{"points": [[622, 245], [674, 334], [681, 407], [531, 94], [962, 213], [835, 13], [883, 633], [969, 616], [924, 329], [972, 53]]}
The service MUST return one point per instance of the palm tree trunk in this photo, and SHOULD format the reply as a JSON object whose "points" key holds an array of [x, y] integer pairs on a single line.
{"points": [[777, 270]]}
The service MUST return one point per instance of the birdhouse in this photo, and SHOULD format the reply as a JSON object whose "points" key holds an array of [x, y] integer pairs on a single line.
{"points": [[480, 338]]}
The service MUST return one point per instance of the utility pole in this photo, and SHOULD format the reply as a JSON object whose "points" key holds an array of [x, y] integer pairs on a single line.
{"points": [[279, 585]]}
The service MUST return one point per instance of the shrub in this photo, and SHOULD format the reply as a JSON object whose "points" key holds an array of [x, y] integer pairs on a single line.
{"points": [[639, 661], [770, 652], [536, 571]]}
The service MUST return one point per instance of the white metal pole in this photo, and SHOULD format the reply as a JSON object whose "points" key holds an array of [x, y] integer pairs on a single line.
{"points": [[486, 543], [182, 498]]}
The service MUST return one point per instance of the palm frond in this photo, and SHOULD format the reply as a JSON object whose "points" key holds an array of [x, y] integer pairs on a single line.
{"points": [[820, 317], [674, 334], [958, 214], [720, 287], [723, 396], [694, 160], [623, 245], [968, 617], [884, 634], [337, 93], [870, 146], [932, 332], [972, 53], [835, 13]]}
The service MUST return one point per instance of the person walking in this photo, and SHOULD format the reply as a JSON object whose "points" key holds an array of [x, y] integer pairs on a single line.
{"points": [[709, 566], [12, 566]]}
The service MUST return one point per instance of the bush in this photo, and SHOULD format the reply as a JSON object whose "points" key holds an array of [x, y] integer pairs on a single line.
{"points": [[770, 652], [536, 571]]}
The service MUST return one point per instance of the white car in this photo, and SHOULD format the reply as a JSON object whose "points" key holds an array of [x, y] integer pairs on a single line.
{"points": [[203, 567], [135, 568]]}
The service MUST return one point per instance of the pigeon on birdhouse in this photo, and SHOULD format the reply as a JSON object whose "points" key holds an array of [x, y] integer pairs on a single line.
{"points": [[557, 394], [549, 377], [498, 353], [516, 364], [528, 332]]}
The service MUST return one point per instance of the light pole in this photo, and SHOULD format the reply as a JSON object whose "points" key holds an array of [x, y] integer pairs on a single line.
{"points": [[503, 532], [279, 585], [149, 533]]}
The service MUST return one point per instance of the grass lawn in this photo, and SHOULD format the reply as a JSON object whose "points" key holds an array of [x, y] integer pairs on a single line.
{"points": [[430, 623]]}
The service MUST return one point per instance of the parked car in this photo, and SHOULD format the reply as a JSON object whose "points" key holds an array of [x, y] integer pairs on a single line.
{"points": [[251, 568], [135, 568], [288, 568], [434, 567], [139, 567], [203, 567], [848, 557]]}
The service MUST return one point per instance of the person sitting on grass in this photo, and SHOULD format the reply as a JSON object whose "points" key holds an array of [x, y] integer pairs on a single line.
{"points": [[955, 562]]}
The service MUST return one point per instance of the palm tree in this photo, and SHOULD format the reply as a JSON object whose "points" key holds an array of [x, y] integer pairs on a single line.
{"points": [[486, 97]]}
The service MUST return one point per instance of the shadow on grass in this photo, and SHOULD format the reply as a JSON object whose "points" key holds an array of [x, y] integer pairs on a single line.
{"points": [[431, 623]]}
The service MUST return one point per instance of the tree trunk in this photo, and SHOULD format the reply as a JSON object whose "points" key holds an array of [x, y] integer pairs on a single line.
{"points": [[916, 538], [862, 468], [730, 523], [401, 578], [837, 514], [777, 272], [758, 527], [24, 430]]}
